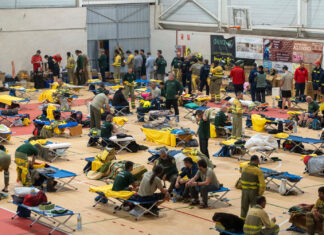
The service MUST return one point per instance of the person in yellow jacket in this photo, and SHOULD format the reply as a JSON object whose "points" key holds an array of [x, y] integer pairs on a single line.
{"points": [[70, 65], [130, 60], [257, 221], [117, 64], [237, 113], [129, 83], [195, 76], [215, 81], [253, 184]]}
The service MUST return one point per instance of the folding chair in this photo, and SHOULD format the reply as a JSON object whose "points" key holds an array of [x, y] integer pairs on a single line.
{"points": [[62, 176], [183, 136], [54, 224], [120, 110], [296, 104], [298, 141], [219, 198], [122, 143]]}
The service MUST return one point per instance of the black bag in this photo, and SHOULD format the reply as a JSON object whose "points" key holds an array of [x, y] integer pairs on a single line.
{"points": [[191, 143], [121, 135], [9, 112], [23, 212], [57, 114], [85, 123], [77, 116]]}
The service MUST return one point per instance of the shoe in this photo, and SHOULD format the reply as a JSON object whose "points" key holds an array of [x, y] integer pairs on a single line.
{"points": [[195, 203], [203, 206], [5, 191]]}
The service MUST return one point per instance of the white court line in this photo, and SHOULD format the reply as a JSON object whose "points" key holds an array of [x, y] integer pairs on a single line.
{"points": [[282, 223]]}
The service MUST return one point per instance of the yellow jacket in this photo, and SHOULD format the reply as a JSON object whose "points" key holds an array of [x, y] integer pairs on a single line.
{"points": [[130, 59], [70, 63], [252, 178], [217, 71], [117, 62], [237, 107]]}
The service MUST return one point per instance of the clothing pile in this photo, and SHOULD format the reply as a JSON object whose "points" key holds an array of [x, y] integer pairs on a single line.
{"points": [[314, 165], [259, 142]]}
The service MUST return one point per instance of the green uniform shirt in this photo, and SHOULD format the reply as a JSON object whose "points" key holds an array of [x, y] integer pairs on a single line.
{"points": [[5, 160], [168, 165], [106, 129], [176, 63], [27, 148], [80, 62], [313, 107], [100, 90], [220, 119], [102, 61], [261, 80], [161, 64], [123, 180], [172, 88], [204, 129], [129, 77]]}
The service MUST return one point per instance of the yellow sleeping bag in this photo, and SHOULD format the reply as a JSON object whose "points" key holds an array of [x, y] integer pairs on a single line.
{"points": [[107, 190], [8, 99], [47, 95]]}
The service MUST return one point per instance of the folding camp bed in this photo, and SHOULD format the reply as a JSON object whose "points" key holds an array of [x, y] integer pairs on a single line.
{"points": [[120, 110], [219, 198], [140, 81], [156, 153], [6, 118], [55, 224], [298, 141], [122, 143], [190, 111], [275, 121], [142, 208], [24, 93], [5, 136], [57, 150], [183, 136], [225, 232], [62, 176], [292, 180]]}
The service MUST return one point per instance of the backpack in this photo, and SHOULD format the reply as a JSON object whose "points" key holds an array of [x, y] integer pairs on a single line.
{"points": [[77, 116], [315, 125]]}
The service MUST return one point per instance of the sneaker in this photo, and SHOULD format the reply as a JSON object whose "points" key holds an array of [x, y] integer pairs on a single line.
{"points": [[203, 206]]}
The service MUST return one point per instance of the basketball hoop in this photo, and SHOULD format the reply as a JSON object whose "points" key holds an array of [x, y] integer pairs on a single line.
{"points": [[233, 29]]}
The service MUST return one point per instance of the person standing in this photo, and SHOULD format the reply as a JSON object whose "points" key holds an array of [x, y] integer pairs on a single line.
{"points": [[160, 64], [143, 72], [138, 63], [184, 71], [204, 75], [252, 77], [253, 184], [316, 77], [102, 61], [195, 74], [203, 131], [175, 65], [37, 61], [99, 102], [80, 67], [130, 60], [258, 222], [5, 161], [238, 76], [149, 64], [286, 84], [237, 111], [87, 68], [301, 77], [129, 83], [70, 65], [53, 67], [116, 65], [173, 89], [216, 81], [261, 84]]}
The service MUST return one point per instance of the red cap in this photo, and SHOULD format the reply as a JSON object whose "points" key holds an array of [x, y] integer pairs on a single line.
{"points": [[318, 63]]}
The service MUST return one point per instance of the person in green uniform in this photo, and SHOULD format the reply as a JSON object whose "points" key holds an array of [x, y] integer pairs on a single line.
{"points": [[80, 67], [160, 64], [221, 120], [125, 179], [175, 65], [203, 131], [129, 83], [107, 128], [5, 161], [101, 89], [170, 172], [103, 65], [313, 108], [172, 91], [21, 159], [315, 218]]}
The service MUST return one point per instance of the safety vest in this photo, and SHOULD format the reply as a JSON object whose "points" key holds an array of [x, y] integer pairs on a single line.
{"points": [[117, 62], [252, 178], [237, 107], [217, 72], [255, 220], [130, 61]]}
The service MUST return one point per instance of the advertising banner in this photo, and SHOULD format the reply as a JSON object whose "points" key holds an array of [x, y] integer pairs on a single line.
{"points": [[277, 50], [249, 47], [222, 49], [308, 52]]}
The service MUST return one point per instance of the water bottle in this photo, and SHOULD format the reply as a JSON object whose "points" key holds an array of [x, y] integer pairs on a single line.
{"points": [[174, 196], [44, 186], [79, 221], [295, 127]]}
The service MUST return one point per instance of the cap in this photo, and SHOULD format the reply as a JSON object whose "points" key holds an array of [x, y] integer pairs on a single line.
{"points": [[318, 63]]}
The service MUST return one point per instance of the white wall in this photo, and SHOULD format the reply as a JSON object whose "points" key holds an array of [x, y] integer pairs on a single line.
{"points": [[52, 30]]}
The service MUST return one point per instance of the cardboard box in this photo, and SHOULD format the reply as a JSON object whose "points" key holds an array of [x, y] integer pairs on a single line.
{"points": [[2, 77], [30, 85], [76, 131]]}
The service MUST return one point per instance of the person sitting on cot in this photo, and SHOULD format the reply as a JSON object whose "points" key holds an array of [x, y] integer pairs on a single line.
{"points": [[221, 120], [312, 112], [150, 183], [208, 183], [315, 218], [125, 181], [187, 173], [170, 172]]}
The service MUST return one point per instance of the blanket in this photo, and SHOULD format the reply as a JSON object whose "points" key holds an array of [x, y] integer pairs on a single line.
{"points": [[107, 190], [259, 142]]}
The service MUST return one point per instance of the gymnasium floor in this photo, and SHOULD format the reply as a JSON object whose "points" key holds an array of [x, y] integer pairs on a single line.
{"points": [[175, 217]]}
